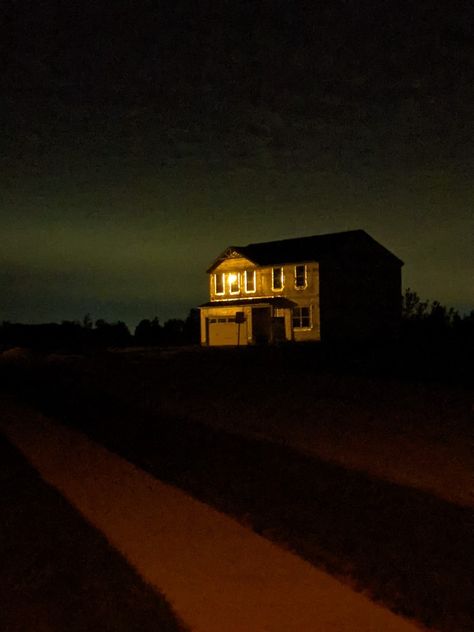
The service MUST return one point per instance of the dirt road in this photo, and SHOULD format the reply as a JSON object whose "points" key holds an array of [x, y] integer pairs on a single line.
{"points": [[217, 574]]}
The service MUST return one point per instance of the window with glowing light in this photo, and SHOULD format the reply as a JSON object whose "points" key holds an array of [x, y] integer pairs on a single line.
{"points": [[302, 318], [300, 277], [219, 286], [234, 282], [250, 281], [277, 278]]}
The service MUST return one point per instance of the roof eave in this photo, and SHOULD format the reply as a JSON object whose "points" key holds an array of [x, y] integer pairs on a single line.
{"points": [[223, 257]]}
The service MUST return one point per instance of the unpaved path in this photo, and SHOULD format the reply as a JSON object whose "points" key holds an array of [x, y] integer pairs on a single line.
{"points": [[217, 574], [58, 573]]}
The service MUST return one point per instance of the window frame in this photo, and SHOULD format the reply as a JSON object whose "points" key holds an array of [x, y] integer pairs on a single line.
{"points": [[301, 327], [246, 277], [278, 289], [222, 275], [305, 284]]}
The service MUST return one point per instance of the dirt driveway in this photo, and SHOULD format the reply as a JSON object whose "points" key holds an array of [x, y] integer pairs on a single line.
{"points": [[217, 574]]}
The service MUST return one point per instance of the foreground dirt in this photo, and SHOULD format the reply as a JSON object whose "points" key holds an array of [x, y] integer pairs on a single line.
{"points": [[408, 549], [58, 573], [415, 434], [218, 574]]}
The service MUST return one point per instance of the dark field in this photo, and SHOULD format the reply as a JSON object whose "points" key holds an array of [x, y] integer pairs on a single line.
{"points": [[353, 411], [57, 572], [409, 549]]}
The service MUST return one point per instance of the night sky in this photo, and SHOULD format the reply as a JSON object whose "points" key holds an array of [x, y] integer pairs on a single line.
{"points": [[140, 139]]}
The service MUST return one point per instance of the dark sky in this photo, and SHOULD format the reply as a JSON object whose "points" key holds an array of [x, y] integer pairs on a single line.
{"points": [[139, 139]]}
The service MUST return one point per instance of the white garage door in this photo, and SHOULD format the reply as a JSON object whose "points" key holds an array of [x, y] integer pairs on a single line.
{"points": [[225, 331]]}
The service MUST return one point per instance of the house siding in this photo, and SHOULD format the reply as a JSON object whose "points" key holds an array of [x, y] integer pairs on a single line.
{"points": [[304, 297], [353, 290], [360, 301]]}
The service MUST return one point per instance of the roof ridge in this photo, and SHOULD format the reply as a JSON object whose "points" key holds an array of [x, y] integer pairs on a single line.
{"points": [[319, 235], [310, 248]]}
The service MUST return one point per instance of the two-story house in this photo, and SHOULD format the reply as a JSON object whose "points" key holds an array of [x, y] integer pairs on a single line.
{"points": [[339, 286]]}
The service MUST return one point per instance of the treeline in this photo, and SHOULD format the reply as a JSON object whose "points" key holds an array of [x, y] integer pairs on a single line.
{"points": [[86, 334], [424, 324], [430, 322]]}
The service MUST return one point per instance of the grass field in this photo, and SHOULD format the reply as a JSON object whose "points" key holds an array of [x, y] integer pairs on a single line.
{"points": [[412, 432]]}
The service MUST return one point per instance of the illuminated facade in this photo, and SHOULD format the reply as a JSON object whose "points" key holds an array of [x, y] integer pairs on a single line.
{"points": [[337, 286]]}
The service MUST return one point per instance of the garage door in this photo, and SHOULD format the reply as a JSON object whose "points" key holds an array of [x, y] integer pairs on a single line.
{"points": [[225, 331]]}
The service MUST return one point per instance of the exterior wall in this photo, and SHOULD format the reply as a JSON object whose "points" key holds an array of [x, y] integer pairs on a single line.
{"points": [[354, 293], [203, 316], [313, 334], [236, 266], [361, 301], [305, 297]]}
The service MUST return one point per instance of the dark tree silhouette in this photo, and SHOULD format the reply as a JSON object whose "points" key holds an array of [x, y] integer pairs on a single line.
{"points": [[173, 332], [433, 324], [149, 332], [413, 307], [192, 328], [87, 321], [111, 334]]}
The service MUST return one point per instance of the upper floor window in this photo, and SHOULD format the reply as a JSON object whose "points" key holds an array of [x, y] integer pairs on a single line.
{"points": [[277, 278], [249, 281], [234, 282], [219, 286], [301, 278], [302, 318]]}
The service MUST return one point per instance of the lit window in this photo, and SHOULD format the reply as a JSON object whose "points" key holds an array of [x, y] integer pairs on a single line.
{"points": [[250, 281], [302, 318], [300, 277], [219, 283], [277, 278], [234, 283]]}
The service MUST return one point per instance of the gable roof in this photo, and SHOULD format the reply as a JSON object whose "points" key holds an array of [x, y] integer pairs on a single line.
{"points": [[347, 244]]}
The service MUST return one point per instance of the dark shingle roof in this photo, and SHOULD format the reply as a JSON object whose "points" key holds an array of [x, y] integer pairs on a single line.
{"points": [[348, 244]]}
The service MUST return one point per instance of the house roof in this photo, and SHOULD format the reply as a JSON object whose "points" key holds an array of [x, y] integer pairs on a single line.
{"points": [[346, 245]]}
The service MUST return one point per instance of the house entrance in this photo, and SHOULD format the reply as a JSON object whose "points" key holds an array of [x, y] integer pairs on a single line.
{"points": [[261, 325]]}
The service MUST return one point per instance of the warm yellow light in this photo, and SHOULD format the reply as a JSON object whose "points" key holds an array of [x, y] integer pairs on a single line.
{"points": [[232, 278]]}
